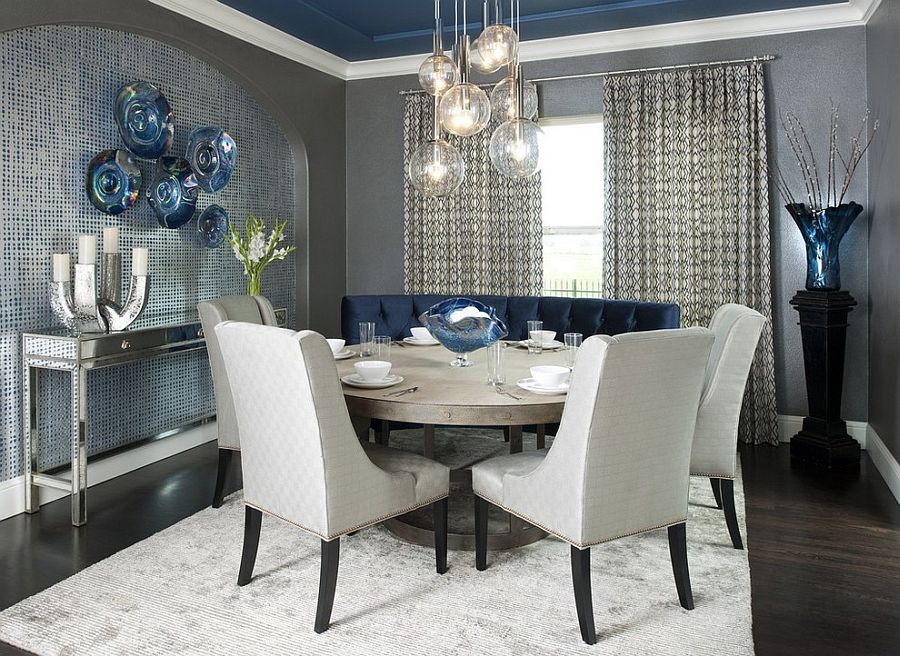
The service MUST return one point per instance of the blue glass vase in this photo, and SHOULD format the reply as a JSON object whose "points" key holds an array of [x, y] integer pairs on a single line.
{"points": [[822, 231], [463, 325]]}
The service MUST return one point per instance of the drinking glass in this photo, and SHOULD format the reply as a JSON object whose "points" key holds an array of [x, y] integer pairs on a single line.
{"points": [[366, 338], [572, 341], [535, 345], [495, 363], [382, 348]]}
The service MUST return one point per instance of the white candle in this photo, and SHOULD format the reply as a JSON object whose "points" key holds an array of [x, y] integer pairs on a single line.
{"points": [[111, 240], [139, 258], [87, 249], [61, 267]]}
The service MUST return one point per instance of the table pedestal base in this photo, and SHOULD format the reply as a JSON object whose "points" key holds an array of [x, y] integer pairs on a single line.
{"points": [[518, 533]]}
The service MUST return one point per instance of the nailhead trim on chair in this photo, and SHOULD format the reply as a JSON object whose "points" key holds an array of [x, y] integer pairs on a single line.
{"points": [[575, 543], [349, 530], [728, 476]]}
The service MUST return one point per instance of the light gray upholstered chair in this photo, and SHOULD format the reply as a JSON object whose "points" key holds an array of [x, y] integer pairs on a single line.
{"points": [[301, 458], [620, 462], [737, 329], [251, 309]]}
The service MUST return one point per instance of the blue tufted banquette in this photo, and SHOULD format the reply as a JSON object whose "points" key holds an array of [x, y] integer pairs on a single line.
{"points": [[395, 314]]}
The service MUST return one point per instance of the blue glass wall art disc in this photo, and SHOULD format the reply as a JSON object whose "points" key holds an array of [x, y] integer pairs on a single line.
{"points": [[145, 119], [173, 192], [463, 325], [113, 181], [212, 154], [212, 226]]}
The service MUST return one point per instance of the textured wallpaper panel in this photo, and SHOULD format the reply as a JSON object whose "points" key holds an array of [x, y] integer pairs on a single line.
{"points": [[57, 86]]}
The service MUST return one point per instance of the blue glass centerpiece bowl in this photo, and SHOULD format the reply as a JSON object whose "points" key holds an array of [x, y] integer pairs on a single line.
{"points": [[822, 231], [463, 325], [173, 192], [144, 118], [212, 154], [212, 226], [113, 181]]}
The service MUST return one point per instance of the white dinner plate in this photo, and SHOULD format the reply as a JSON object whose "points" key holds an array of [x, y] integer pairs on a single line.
{"points": [[555, 345], [354, 380], [420, 342], [343, 355], [532, 385]]}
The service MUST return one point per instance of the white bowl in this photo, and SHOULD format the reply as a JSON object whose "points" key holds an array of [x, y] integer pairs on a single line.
{"points": [[374, 370], [421, 334], [550, 375], [337, 345], [543, 336]]}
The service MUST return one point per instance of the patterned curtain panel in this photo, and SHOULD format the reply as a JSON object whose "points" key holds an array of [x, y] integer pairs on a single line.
{"points": [[687, 204], [485, 238]]}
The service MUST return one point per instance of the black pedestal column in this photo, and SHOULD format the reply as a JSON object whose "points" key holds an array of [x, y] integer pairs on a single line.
{"points": [[823, 328]]}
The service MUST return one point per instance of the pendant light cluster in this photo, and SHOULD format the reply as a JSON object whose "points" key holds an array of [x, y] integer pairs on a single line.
{"points": [[464, 109]]}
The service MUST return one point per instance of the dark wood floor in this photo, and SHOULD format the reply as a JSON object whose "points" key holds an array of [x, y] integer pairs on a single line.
{"points": [[824, 548]]}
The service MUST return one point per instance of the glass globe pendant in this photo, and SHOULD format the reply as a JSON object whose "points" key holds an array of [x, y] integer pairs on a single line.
{"points": [[465, 109], [515, 148], [495, 48], [436, 168], [438, 72], [504, 99]]}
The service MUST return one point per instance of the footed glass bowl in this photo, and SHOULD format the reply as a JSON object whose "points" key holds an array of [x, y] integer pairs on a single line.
{"points": [[463, 325]]}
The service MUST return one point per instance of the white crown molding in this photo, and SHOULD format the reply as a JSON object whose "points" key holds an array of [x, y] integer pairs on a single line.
{"points": [[241, 26], [802, 19]]}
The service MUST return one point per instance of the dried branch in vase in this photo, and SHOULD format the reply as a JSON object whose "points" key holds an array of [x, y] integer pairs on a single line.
{"points": [[817, 196]]}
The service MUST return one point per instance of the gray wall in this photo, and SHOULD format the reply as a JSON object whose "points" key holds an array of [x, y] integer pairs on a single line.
{"points": [[883, 34], [307, 104], [811, 67]]}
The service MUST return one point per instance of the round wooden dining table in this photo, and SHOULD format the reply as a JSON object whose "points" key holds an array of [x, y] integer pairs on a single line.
{"points": [[457, 396]]}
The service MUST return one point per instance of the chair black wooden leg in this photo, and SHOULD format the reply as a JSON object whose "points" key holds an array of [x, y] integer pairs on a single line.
{"points": [[581, 582], [224, 462], [678, 554], [440, 535], [331, 552], [252, 525], [717, 491], [727, 486], [481, 520]]}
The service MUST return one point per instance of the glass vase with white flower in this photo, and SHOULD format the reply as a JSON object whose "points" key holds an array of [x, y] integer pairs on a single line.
{"points": [[256, 251]]}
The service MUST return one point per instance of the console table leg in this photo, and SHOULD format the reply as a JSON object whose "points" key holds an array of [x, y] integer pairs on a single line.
{"points": [[31, 405], [79, 446]]}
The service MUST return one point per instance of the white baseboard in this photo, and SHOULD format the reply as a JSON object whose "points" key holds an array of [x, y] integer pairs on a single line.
{"points": [[12, 492], [790, 425], [885, 462]]}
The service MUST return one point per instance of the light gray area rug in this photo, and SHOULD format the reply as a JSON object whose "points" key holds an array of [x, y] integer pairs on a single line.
{"points": [[175, 593]]}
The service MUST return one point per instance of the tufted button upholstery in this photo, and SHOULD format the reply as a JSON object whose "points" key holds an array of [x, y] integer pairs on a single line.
{"points": [[395, 314]]}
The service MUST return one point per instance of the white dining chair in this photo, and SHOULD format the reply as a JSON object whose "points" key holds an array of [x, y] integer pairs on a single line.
{"points": [[620, 462], [302, 461], [251, 309], [714, 454]]}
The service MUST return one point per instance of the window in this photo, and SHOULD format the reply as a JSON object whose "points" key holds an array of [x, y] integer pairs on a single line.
{"points": [[572, 197]]}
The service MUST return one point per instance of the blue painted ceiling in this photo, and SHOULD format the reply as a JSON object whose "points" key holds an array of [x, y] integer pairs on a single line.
{"points": [[373, 29]]}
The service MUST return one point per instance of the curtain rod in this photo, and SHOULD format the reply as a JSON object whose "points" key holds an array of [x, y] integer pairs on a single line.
{"points": [[581, 76]]}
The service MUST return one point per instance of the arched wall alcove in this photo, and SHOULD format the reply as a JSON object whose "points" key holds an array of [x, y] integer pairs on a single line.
{"points": [[266, 79]]}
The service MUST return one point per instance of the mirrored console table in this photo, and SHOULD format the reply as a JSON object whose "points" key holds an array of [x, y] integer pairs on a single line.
{"points": [[62, 350]]}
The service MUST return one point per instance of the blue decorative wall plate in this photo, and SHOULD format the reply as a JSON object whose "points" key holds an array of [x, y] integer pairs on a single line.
{"points": [[113, 181], [144, 119], [212, 154], [173, 192], [212, 226]]}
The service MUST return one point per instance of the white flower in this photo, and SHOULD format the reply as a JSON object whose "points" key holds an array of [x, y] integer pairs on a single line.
{"points": [[257, 248]]}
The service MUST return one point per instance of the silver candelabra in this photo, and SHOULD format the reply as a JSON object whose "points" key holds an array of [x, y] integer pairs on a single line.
{"points": [[84, 311]]}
